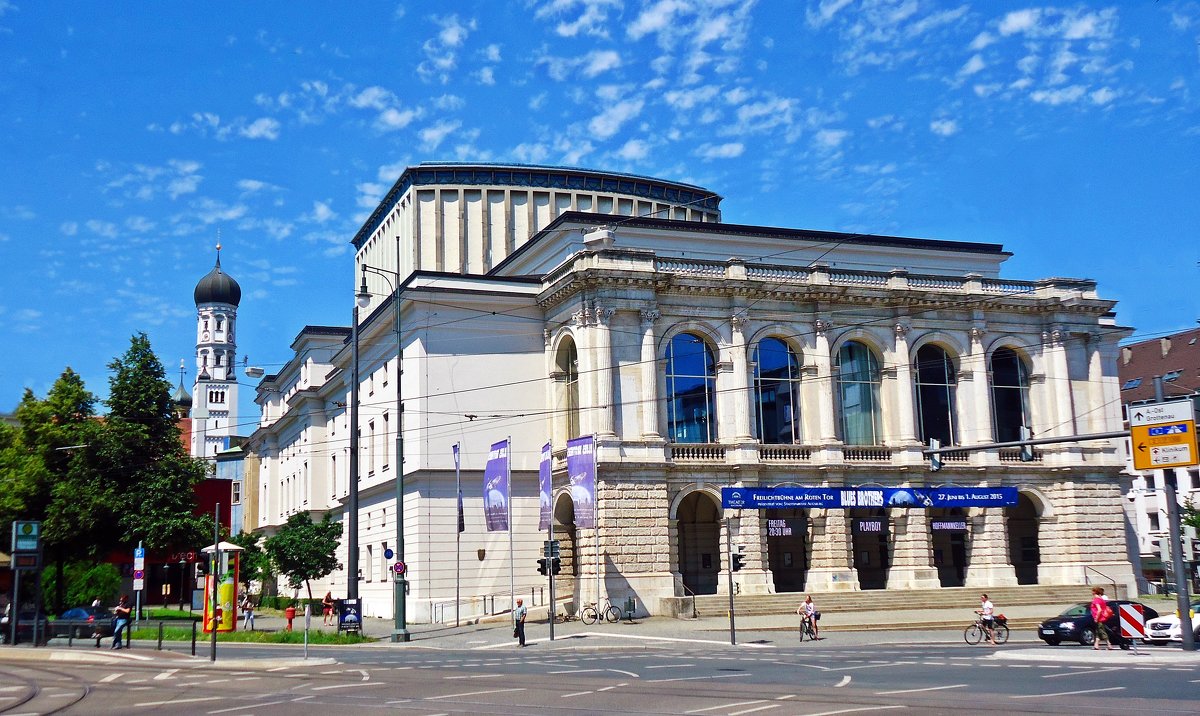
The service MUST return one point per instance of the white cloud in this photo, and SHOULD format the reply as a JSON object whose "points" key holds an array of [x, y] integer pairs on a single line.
{"points": [[441, 51], [729, 150], [69, 228], [486, 76], [1019, 21], [373, 97], [633, 150], [825, 11], [531, 153], [655, 18], [981, 41], [107, 229], [321, 212], [975, 64], [1063, 95], [1104, 95], [944, 127], [433, 135], [139, 224], [262, 128], [491, 53], [689, 98], [369, 194], [599, 62], [608, 122], [830, 139], [591, 19], [391, 118]]}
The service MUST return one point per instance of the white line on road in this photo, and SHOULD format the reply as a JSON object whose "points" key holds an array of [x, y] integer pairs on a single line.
{"points": [[577, 693], [1077, 673], [251, 707], [470, 693], [724, 706], [913, 691], [669, 666], [785, 697], [180, 701], [475, 676], [346, 686], [856, 710], [574, 671], [756, 708], [845, 680], [694, 678], [165, 675], [1068, 693], [111, 677], [630, 674]]}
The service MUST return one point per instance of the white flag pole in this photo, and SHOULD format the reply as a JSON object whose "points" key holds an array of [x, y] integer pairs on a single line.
{"points": [[457, 533]]}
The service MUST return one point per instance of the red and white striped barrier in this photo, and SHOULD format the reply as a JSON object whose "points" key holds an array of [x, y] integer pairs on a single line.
{"points": [[1133, 622]]}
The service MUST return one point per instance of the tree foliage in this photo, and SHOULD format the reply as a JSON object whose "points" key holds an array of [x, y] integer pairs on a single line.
{"points": [[84, 581], [256, 564], [303, 550]]}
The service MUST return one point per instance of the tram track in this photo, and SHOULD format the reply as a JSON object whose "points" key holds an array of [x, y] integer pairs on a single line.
{"points": [[39, 697]]}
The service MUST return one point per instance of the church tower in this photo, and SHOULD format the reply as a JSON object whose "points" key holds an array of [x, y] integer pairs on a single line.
{"points": [[215, 393]]}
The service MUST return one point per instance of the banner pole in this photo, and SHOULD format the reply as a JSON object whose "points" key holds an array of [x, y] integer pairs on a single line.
{"points": [[457, 534], [596, 519], [512, 578]]}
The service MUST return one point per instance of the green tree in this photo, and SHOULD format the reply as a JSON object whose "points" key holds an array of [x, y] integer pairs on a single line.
{"points": [[303, 550], [83, 582], [256, 565]]}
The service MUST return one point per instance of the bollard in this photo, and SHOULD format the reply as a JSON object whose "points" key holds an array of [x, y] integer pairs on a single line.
{"points": [[195, 623], [160, 635]]}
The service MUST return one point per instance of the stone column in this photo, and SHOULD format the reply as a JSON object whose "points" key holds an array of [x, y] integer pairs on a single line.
{"points": [[980, 425], [826, 380], [650, 375], [912, 552], [584, 340], [1096, 410], [988, 562], [832, 567], [1058, 376], [904, 385], [740, 378], [602, 343]]}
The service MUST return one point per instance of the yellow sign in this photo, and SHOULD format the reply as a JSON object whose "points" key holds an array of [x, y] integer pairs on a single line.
{"points": [[1164, 445]]}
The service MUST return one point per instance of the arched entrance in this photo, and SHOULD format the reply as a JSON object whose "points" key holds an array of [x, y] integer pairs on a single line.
{"points": [[787, 547], [699, 528], [1023, 549], [948, 533], [872, 557]]}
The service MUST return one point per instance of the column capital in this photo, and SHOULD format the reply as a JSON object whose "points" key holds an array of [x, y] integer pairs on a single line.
{"points": [[649, 316], [822, 326]]}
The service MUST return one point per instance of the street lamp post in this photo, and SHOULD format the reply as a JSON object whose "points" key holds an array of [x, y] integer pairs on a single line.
{"points": [[352, 506], [400, 588]]}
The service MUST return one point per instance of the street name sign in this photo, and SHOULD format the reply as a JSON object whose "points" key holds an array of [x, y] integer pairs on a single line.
{"points": [[1163, 435]]}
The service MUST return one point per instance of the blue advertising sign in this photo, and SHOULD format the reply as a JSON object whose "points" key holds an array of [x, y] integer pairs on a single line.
{"points": [[581, 470], [850, 497], [495, 488], [544, 489]]}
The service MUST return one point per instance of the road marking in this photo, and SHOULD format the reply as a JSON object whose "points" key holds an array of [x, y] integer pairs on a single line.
{"points": [[574, 671], [845, 680], [856, 710], [1068, 693], [365, 675], [577, 693], [1077, 673], [180, 701], [165, 675], [346, 686], [251, 707], [913, 691], [669, 666], [110, 677], [785, 697], [694, 678], [627, 673], [470, 693], [756, 708], [723, 706], [475, 676]]}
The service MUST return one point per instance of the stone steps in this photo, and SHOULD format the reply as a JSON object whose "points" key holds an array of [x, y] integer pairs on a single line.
{"points": [[877, 600]]}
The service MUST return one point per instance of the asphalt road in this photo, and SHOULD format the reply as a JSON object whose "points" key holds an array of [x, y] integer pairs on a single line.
{"points": [[595, 676]]}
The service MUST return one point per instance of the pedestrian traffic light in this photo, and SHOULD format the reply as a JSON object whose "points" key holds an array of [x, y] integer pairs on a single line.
{"points": [[542, 567], [1026, 450], [935, 459], [738, 559], [555, 565]]}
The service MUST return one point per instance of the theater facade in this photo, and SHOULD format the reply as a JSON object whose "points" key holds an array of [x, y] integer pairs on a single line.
{"points": [[539, 304]]}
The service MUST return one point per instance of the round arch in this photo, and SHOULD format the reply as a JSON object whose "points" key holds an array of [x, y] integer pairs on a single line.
{"points": [[697, 518]]}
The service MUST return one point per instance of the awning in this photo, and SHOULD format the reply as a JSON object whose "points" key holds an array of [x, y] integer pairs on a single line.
{"points": [[1152, 564]]}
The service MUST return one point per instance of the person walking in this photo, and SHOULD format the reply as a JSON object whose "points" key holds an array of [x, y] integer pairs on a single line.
{"points": [[121, 619], [248, 612], [1101, 613], [987, 617], [327, 608], [519, 615], [809, 614]]}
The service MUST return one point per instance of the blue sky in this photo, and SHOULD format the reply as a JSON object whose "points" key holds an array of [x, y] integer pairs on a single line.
{"points": [[131, 134]]}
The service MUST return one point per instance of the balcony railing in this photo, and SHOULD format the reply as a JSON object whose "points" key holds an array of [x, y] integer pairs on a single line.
{"points": [[867, 454], [1007, 456], [697, 452], [785, 453]]}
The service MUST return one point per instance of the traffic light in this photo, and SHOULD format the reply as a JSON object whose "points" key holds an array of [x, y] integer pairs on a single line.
{"points": [[738, 559], [1026, 450], [555, 565], [202, 567], [935, 459], [542, 567]]}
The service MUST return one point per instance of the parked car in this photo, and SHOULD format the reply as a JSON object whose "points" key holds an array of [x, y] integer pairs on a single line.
{"points": [[83, 622], [25, 627], [1165, 627], [1076, 624]]}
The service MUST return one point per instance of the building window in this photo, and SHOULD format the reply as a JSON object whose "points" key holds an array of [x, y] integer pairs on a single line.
{"points": [[370, 562], [1154, 523], [691, 381], [1171, 376], [237, 492], [371, 448], [386, 439], [858, 379], [385, 374], [1010, 395], [937, 386], [566, 364], [220, 323], [1150, 482], [777, 392], [1131, 384], [333, 476]]}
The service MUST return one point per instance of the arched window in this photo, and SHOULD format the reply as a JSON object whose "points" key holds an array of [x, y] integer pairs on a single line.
{"points": [[1010, 394], [691, 380], [566, 364], [777, 391], [937, 385], [858, 379]]}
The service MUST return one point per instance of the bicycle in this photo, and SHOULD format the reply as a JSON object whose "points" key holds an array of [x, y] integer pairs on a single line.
{"points": [[975, 633], [806, 629], [605, 609]]}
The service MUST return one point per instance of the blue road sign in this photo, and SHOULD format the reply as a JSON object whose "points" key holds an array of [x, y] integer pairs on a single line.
{"points": [[1172, 429]]}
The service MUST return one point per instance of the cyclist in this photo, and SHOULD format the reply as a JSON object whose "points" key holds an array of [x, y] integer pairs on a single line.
{"points": [[987, 618], [809, 615]]}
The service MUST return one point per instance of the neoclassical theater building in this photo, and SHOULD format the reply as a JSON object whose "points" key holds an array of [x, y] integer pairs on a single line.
{"points": [[541, 303]]}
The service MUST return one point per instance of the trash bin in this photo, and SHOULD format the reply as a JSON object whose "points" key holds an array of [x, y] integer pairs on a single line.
{"points": [[290, 614]]}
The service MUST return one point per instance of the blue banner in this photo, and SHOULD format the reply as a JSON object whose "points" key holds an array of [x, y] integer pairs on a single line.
{"points": [[462, 518], [581, 470], [756, 498], [544, 489], [495, 488]]}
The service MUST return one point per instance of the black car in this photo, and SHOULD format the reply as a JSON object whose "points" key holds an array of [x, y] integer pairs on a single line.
{"points": [[83, 622], [1076, 624]]}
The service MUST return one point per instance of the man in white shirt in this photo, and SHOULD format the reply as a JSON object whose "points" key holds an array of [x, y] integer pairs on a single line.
{"points": [[986, 612], [519, 615]]}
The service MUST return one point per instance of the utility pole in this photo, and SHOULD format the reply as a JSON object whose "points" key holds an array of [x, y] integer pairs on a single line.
{"points": [[1182, 601]]}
